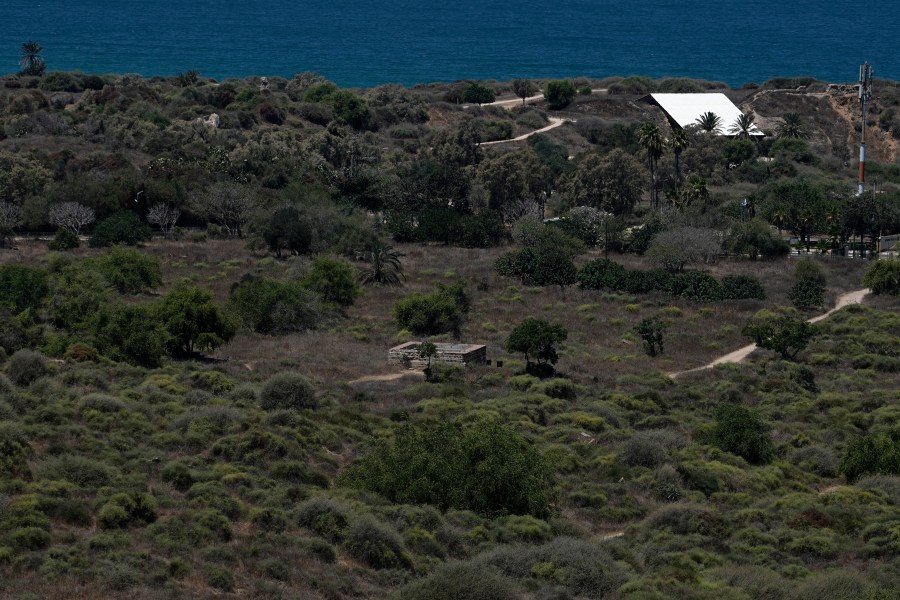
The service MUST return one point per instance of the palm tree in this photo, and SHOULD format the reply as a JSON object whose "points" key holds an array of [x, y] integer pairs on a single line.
{"points": [[743, 126], [709, 122], [694, 190], [31, 61], [650, 137], [678, 142], [791, 127], [385, 268]]}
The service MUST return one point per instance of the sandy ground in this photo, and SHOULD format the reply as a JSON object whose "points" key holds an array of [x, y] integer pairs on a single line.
{"points": [[740, 354]]}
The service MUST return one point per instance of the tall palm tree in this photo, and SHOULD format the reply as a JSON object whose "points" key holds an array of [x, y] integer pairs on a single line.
{"points": [[678, 142], [709, 122], [385, 268], [743, 126], [694, 190], [791, 127], [650, 137], [31, 61]]}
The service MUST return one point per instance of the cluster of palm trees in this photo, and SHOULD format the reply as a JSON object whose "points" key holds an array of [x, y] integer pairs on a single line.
{"points": [[651, 138]]}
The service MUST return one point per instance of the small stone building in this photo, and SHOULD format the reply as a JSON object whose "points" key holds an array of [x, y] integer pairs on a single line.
{"points": [[407, 355]]}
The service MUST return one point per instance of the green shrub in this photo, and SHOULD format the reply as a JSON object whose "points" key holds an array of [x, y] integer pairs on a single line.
{"points": [[220, 578], [25, 367], [271, 307], [30, 538], [333, 279], [14, 451], [63, 240], [326, 517], [442, 311], [741, 431], [784, 332], [818, 460], [484, 467], [883, 277], [83, 472], [22, 287], [601, 274], [123, 227], [128, 270], [807, 294], [127, 509], [651, 330], [268, 519], [742, 287], [287, 230], [132, 333], [537, 339], [872, 454], [288, 390], [685, 519], [194, 320], [376, 545], [459, 581], [696, 285], [643, 450], [559, 93]]}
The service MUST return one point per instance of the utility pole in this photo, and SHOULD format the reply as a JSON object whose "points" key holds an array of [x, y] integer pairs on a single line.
{"points": [[865, 94]]}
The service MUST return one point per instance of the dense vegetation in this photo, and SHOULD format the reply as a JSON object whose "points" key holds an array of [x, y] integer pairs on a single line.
{"points": [[207, 411]]}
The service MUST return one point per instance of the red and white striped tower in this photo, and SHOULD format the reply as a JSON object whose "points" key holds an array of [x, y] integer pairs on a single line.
{"points": [[865, 94]]}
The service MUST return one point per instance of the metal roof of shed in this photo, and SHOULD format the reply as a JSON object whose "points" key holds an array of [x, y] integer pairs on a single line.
{"points": [[685, 109]]}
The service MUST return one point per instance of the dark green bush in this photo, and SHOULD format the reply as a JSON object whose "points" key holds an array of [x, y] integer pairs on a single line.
{"points": [[875, 454], [376, 545], [194, 320], [220, 578], [132, 333], [559, 93], [30, 538], [742, 287], [288, 390], [883, 277], [442, 311], [128, 270], [685, 519], [326, 517], [124, 510], [63, 240], [14, 451], [271, 307], [288, 230], [643, 450], [484, 467], [83, 472], [22, 287], [25, 367], [807, 294], [741, 431], [123, 227], [459, 581], [333, 279], [537, 340], [696, 285], [783, 332]]}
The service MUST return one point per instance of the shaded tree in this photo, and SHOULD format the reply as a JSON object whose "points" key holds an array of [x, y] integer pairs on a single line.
{"points": [[478, 94], [523, 88], [515, 183], [783, 332], [194, 320], [10, 218], [559, 93], [537, 340], [610, 183], [287, 230]]}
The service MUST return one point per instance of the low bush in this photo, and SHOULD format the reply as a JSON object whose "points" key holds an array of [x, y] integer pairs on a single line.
{"points": [[376, 545], [601, 274], [83, 472], [883, 277], [459, 581], [875, 454], [288, 390], [742, 287], [741, 431], [272, 307], [124, 510], [25, 367], [124, 227], [643, 450], [484, 467], [696, 285], [63, 240], [326, 517], [128, 270], [807, 294], [333, 279]]}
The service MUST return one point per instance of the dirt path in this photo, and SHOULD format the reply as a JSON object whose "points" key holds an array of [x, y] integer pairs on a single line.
{"points": [[854, 297], [554, 122], [386, 377]]}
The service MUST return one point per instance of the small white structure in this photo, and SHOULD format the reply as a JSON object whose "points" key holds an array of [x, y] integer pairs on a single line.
{"points": [[685, 109]]}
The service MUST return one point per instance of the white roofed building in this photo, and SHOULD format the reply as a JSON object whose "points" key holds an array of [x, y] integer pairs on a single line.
{"points": [[683, 110]]}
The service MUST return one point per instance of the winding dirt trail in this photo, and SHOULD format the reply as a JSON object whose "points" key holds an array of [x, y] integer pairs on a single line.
{"points": [[554, 122], [854, 297]]}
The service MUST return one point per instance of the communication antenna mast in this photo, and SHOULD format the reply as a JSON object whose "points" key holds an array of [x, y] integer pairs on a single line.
{"points": [[865, 94]]}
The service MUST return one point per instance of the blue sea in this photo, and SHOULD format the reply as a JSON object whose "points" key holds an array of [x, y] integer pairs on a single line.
{"points": [[369, 42]]}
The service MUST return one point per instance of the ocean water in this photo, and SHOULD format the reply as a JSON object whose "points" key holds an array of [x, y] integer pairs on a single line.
{"points": [[370, 42]]}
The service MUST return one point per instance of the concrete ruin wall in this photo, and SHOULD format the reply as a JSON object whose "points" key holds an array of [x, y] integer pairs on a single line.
{"points": [[407, 355]]}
